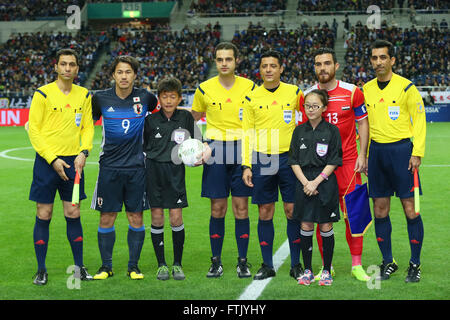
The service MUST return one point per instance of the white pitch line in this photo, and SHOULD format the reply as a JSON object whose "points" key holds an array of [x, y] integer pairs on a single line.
{"points": [[4, 153], [254, 289]]}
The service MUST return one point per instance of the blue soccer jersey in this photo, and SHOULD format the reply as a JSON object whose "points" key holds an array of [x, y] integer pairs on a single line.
{"points": [[123, 125]]}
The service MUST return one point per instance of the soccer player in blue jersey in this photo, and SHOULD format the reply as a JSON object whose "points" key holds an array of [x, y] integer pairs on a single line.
{"points": [[121, 178]]}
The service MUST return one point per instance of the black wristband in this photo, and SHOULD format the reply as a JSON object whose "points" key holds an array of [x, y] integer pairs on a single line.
{"points": [[245, 167], [86, 153]]}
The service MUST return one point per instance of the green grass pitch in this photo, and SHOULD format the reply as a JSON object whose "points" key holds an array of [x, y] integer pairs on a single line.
{"points": [[18, 262]]}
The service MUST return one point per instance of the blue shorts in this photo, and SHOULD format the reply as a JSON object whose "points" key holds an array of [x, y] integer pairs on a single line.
{"points": [[46, 181], [117, 187], [223, 173], [271, 172], [388, 170]]}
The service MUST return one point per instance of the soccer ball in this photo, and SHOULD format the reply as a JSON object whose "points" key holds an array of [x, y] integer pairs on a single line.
{"points": [[190, 151]]}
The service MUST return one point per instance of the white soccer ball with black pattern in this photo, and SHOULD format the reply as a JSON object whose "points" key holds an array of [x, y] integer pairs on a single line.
{"points": [[190, 151]]}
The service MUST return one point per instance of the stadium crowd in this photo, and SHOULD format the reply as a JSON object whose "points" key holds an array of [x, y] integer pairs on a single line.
{"points": [[35, 9], [428, 5], [421, 54], [296, 47], [236, 7], [162, 52], [358, 6], [24, 58]]}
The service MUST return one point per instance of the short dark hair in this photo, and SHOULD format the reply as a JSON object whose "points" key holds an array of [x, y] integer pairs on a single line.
{"points": [[379, 43], [325, 50], [125, 59], [323, 95], [67, 52], [272, 54], [227, 46], [169, 85]]}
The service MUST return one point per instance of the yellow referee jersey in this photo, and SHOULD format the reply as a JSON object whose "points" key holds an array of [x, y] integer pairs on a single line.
{"points": [[58, 122], [397, 112], [269, 120], [223, 107]]}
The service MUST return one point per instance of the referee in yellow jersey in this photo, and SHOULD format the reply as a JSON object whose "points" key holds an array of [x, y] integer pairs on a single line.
{"points": [[61, 131], [221, 98], [397, 145], [268, 124]]}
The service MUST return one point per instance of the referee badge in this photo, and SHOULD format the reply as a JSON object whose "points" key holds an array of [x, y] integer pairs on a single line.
{"points": [[178, 136], [394, 112], [287, 115], [420, 107], [321, 149], [78, 119]]}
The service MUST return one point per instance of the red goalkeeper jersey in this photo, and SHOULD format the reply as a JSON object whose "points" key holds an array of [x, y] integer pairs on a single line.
{"points": [[345, 106]]}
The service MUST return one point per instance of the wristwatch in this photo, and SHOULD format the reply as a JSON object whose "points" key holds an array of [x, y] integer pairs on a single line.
{"points": [[86, 153], [245, 167]]}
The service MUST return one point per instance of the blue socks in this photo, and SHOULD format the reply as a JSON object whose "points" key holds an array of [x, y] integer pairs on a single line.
{"points": [[40, 239], [383, 230], [106, 238], [242, 233], [415, 234], [266, 235], [293, 234], [135, 240], [74, 233], [216, 233], [75, 237]]}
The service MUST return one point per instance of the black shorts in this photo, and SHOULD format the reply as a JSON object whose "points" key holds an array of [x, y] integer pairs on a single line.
{"points": [[116, 187], [166, 186], [321, 208]]}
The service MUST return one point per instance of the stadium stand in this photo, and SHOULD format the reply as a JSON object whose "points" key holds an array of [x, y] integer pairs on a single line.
{"points": [[184, 48], [421, 54], [186, 54], [428, 6], [292, 43], [25, 58], [35, 9], [357, 6], [237, 7]]}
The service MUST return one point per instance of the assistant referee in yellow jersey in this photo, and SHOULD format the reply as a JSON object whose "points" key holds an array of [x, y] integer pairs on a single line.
{"points": [[397, 145], [61, 131], [268, 123], [221, 98]]}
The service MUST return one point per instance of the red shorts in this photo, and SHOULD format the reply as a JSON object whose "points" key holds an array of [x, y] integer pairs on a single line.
{"points": [[344, 174]]}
